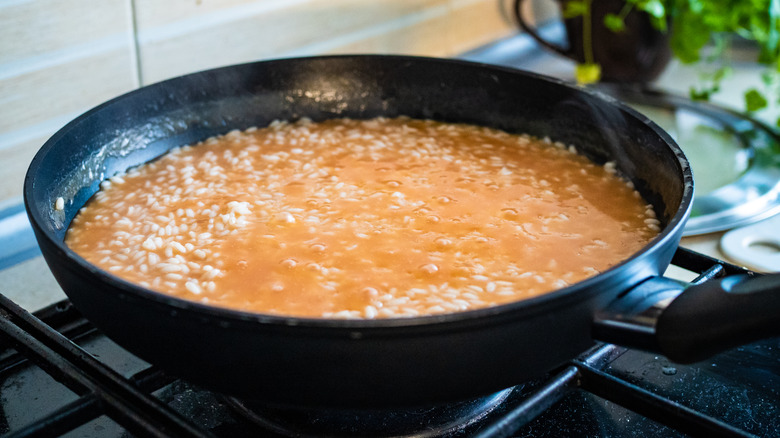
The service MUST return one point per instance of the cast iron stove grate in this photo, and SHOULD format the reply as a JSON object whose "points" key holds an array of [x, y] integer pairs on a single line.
{"points": [[60, 376]]}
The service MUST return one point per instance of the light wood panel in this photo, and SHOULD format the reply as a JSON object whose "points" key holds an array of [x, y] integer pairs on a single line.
{"points": [[14, 161], [29, 29], [245, 32], [463, 26], [59, 58], [64, 88]]}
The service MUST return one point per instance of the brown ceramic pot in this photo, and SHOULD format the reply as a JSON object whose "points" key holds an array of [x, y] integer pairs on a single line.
{"points": [[636, 55]]}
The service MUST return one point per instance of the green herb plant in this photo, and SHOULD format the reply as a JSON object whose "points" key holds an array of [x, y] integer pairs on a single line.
{"points": [[701, 32]]}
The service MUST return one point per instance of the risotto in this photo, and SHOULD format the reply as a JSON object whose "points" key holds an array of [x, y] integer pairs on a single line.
{"points": [[363, 219]]}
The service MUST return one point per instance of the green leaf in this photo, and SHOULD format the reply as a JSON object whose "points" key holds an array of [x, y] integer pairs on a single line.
{"points": [[771, 47], [699, 94], [696, 6], [614, 23], [770, 78], [688, 37], [703, 93], [587, 73], [722, 73], [754, 100], [659, 23], [575, 9], [654, 8]]}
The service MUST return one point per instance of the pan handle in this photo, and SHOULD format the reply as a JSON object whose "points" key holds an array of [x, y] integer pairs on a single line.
{"points": [[702, 320]]}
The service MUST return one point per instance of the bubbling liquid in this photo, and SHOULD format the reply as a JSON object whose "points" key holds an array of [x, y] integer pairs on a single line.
{"points": [[363, 219]]}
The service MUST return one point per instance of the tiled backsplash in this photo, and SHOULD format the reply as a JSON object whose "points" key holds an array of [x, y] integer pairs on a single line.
{"points": [[59, 58]]}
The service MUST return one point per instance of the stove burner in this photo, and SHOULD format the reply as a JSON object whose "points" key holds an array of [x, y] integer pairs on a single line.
{"points": [[423, 422], [95, 388]]}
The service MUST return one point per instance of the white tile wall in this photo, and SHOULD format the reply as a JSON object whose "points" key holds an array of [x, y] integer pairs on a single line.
{"points": [[59, 58]]}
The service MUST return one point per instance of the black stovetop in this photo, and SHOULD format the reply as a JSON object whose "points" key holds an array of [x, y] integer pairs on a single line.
{"points": [[50, 386]]}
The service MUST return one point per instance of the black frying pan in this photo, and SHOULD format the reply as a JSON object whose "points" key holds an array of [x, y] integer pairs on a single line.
{"points": [[388, 362]]}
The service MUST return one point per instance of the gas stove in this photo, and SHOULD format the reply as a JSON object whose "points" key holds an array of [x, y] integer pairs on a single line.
{"points": [[60, 376]]}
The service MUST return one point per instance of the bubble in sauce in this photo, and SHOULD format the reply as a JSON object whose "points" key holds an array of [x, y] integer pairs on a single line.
{"points": [[429, 268]]}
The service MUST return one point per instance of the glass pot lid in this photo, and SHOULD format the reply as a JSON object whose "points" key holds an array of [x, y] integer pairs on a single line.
{"points": [[735, 159]]}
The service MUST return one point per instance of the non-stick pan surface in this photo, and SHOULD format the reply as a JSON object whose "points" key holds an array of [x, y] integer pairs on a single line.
{"points": [[351, 363]]}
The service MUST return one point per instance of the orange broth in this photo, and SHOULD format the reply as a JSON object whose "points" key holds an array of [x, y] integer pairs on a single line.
{"points": [[363, 219]]}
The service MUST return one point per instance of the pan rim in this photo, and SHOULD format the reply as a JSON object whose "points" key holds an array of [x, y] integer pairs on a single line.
{"points": [[490, 315]]}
